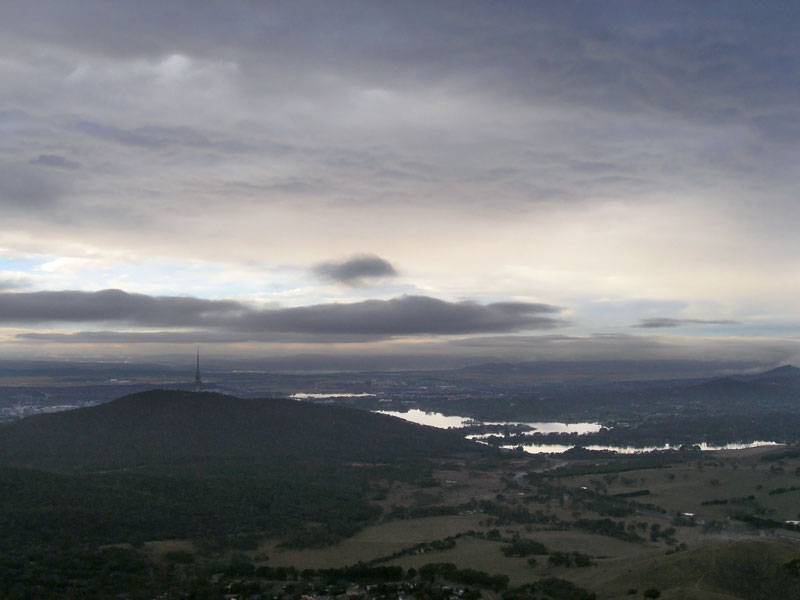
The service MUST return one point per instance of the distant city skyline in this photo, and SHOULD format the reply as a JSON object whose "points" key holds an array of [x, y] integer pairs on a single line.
{"points": [[446, 182]]}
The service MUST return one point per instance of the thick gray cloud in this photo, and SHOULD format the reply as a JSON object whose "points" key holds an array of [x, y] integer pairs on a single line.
{"points": [[662, 322], [685, 58], [407, 315], [27, 189], [384, 103], [55, 161], [196, 336], [111, 305], [691, 63], [16, 283], [357, 270], [127, 337]]}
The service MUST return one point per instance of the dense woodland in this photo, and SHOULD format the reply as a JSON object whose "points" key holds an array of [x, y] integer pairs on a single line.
{"points": [[220, 471], [81, 492]]}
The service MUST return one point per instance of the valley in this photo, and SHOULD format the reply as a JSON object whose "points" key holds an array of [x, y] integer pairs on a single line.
{"points": [[215, 514], [681, 529]]}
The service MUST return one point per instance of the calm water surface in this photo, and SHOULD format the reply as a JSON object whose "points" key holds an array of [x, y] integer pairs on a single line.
{"points": [[546, 448], [432, 419], [307, 396], [435, 419]]}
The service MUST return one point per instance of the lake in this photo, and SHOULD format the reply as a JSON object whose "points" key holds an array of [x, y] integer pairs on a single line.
{"points": [[545, 448], [434, 419], [315, 396]]}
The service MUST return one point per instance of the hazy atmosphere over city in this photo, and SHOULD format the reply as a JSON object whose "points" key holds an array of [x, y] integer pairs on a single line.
{"points": [[452, 181]]}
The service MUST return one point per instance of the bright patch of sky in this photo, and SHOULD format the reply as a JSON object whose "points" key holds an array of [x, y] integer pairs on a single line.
{"points": [[20, 265]]}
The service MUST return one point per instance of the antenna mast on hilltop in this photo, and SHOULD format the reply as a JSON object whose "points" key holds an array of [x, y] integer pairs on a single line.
{"points": [[197, 381]]}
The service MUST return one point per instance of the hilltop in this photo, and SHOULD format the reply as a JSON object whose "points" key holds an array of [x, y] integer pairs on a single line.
{"points": [[167, 428], [205, 466]]}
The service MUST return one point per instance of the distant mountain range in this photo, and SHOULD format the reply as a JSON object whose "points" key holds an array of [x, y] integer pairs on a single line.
{"points": [[777, 388], [181, 368], [787, 375], [599, 371]]}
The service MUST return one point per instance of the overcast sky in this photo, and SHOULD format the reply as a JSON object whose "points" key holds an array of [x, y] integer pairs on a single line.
{"points": [[531, 180]]}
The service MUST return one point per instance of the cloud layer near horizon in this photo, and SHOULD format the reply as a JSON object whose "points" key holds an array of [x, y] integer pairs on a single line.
{"points": [[370, 319], [663, 322]]}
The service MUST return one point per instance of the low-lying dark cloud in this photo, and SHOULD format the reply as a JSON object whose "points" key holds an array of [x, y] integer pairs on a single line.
{"points": [[601, 357], [194, 336], [662, 322], [375, 319], [356, 271], [56, 161], [407, 315], [17, 283], [111, 306]]}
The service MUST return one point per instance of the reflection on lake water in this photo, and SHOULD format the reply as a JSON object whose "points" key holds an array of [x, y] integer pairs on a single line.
{"points": [[554, 427], [308, 396], [434, 419], [558, 448]]}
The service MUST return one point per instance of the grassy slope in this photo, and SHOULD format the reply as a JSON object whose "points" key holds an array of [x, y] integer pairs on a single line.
{"points": [[748, 569], [714, 568], [718, 476]]}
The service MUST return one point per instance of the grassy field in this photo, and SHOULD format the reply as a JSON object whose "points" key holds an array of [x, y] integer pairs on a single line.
{"points": [[374, 542], [748, 568], [718, 476], [688, 564], [161, 548]]}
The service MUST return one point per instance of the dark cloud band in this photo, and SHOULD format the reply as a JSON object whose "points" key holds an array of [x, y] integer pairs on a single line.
{"points": [[406, 315], [13, 284], [664, 322], [112, 306]]}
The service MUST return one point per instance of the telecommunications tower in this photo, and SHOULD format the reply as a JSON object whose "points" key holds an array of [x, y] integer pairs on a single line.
{"points": [[197, 381]]}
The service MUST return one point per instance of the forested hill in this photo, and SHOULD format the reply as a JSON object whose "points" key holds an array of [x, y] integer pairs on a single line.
{"points": [[163, 428]]}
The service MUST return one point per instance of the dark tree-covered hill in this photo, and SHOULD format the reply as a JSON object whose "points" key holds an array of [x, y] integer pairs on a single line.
{"points": [[787, 376], [165, 428], [201, 466]]}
